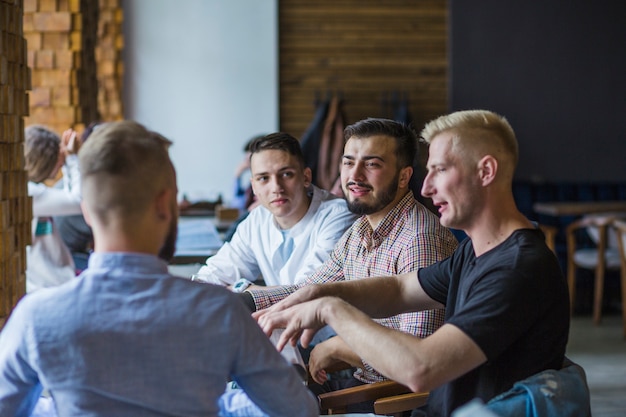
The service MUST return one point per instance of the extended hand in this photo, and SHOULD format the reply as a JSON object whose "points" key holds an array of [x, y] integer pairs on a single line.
{"points": [[70, 143], [303, 294], [300, 322]]}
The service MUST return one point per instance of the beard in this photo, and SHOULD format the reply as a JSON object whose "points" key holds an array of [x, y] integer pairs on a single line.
{"points": [[386, 196], [169, 246]]}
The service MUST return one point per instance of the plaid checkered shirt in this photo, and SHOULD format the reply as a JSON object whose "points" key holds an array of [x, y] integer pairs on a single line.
{"points": [[409, 237]]}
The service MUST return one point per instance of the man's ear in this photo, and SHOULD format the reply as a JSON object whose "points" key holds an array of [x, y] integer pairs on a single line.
{"points": [[86, 215], [405, 177], [308, 177], [487, 169], [163, 204]]}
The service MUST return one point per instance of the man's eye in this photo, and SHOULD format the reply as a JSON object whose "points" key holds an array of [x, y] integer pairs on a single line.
{"points": [[288, 174], [347, 162]]}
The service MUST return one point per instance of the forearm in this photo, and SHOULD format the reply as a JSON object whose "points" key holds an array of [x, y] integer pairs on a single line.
{"points": [[231, 262], [266, 297], [341, 352], [55, 202], [370, 342], [379, 297], [71, 177], [425, 364]]}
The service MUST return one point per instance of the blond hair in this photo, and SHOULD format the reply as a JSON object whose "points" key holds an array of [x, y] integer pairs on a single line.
{"points": [[476, 132]]}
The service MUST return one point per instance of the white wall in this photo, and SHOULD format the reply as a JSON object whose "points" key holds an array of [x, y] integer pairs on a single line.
{"points": [[204, 74]]}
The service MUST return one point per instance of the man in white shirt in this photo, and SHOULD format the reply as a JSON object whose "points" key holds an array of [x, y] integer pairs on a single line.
{"points": [[293, 230]]}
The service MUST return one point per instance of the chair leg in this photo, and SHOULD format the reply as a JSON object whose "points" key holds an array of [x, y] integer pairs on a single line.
{"points": [[571, 270], [571, 284], [600, 270], [624, 300], [598, 293]]}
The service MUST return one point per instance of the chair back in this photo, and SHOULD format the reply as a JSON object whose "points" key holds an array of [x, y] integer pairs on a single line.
{"points": [[619, 226], [562, 393]]}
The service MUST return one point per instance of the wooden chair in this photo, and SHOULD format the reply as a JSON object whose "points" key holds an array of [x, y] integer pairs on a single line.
{"points": [[550, 234], [390, 398], [620, 227], [599, 258], [335, 402], [396, 406]]}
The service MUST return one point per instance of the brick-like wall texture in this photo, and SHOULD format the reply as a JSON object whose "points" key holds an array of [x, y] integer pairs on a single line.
{"points": [[15, 205], [109, 64], [61, 36]]}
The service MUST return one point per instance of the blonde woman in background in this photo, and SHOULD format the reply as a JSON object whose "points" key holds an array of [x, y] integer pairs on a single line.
{"points": [[48, 260]]}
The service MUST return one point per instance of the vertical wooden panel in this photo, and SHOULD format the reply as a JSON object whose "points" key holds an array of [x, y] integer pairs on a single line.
{"points": [[110, 69], [366, 50], [61, 40], [15, 205]]}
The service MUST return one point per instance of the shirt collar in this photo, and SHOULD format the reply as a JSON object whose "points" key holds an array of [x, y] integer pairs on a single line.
{"points": [[373, 238], [131, 262]]}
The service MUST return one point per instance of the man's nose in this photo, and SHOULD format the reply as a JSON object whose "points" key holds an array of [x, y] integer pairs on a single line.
{"points": [[356, 172], [427, 186], [276, 184]]}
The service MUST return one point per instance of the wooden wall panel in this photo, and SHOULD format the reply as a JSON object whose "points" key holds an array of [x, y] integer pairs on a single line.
{"points": [[15, 205], [74, 50], [61, 36], [364, 50], [110, 68]]}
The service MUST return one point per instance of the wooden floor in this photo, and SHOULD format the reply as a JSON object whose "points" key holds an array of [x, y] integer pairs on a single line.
{"points": [[601, 351]]}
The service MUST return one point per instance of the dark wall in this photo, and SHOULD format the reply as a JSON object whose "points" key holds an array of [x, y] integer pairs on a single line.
{"points": [[557, 71]]}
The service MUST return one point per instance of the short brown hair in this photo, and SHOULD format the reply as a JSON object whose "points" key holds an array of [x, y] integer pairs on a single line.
{"points": [[123, 167], [404, 136], [278, 141], [41, 152]]}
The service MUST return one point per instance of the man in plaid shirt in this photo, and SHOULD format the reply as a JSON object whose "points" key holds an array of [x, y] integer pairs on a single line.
{"points": [[395, 234]]}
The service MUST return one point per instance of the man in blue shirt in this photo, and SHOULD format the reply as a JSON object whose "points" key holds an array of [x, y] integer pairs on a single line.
{"points": [[126, 338]]}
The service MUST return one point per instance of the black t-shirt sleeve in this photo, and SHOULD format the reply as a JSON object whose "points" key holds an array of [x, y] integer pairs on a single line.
{"points": [[435, 280]]}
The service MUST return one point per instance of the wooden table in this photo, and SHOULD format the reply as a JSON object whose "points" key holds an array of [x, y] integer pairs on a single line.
{"points": [[578, 208]]}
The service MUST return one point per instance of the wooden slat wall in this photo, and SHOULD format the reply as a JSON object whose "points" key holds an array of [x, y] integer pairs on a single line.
{"points": [[362, 49], [15, 205], [109, 65], [60, 36]]}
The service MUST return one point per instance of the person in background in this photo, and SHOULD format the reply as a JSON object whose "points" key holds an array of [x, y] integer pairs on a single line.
{"points": [[127, 338], [73, 229], [243, 197], [292, 231], [506, 300], [48, 260]]}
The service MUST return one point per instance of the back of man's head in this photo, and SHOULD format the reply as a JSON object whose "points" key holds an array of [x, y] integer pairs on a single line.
{"points": [[278, 141], [123, 167], [405, 137]]}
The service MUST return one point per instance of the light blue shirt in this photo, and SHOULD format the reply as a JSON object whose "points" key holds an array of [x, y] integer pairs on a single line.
{"points": [[128, 339]]}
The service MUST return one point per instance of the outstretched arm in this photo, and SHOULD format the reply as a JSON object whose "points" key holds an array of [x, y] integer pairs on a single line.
{"points": [[420, 364], [379, 297]]}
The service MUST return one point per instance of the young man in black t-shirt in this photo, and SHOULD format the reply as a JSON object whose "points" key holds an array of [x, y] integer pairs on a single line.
{"points": [[506, 300]]}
